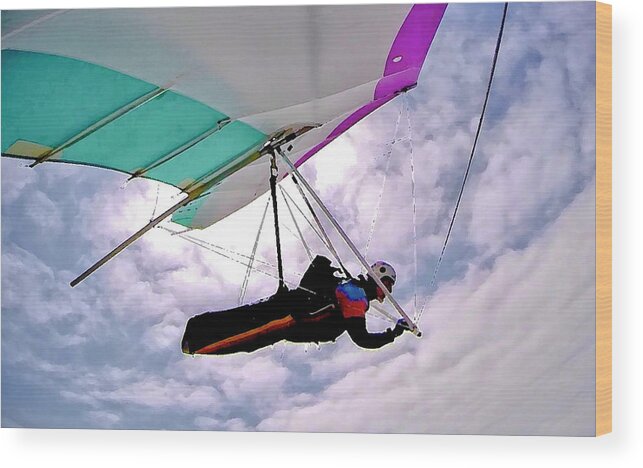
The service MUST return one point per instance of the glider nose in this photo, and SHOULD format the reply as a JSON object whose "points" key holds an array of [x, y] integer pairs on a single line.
{"points": [[185, 346]]}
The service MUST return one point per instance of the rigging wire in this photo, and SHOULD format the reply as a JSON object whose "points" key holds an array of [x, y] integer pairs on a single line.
{"points": [[386, 169], [293, 233], [473, 150], [206, 246], [156, 203], [413, 196], [329, 244], [246, 279], [321, 238], [217, 249], [212, 248], [176, 233], [301, 236], [209, 247]]}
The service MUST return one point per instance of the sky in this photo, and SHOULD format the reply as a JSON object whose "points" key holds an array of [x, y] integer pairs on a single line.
{"points": [[508, 343]]}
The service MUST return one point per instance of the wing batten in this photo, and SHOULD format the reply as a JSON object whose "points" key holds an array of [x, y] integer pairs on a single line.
{"points": [[57, 152], [156, 134], [198, 163], [181, 149]]}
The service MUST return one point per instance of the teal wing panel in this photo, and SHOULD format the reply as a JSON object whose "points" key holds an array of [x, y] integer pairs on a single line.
{"points": [[232, 141], [145, 135], [49, 100]]}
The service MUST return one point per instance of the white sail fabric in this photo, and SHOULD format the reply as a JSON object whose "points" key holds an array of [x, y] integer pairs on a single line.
{"points": [[241, 61]]}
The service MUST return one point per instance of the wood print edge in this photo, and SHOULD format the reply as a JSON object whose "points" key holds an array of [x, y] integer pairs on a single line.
{"points": [[603, 218]]}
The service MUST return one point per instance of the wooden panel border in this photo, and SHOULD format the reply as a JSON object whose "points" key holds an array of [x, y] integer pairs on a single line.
{"points": [[603, 218]]}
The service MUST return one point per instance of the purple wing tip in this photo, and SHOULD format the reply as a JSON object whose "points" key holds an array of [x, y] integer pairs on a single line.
{"points": [[402, 69], [409, 49]]}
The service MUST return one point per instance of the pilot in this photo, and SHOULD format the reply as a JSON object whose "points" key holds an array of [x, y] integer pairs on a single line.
{"points": [[354, 296]]}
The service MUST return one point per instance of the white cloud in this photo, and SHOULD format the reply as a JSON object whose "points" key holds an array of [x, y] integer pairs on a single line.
{"points": [[162, 393], [104, 419], [206, 423], [14, 181]]}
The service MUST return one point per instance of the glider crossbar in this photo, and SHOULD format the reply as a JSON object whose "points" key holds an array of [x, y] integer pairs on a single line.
{"points": [[414, 329], [471, 155], [130, 240]]}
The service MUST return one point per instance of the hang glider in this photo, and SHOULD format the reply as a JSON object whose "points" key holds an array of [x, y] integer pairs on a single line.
{"points": [[198, 97]]}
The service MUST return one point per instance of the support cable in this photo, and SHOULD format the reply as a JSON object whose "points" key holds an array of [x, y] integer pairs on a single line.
{"points": [[413, 196], [319, 235], [473, 150], [213, 248], [388, 158], [292, 215], [184, 231], [204, 245], [246, 279], [217, 248], [156, 203], [328, 242], [293, 233]]}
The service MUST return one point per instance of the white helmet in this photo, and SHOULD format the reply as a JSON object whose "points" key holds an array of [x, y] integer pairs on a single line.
{"points": [[383, 270]]}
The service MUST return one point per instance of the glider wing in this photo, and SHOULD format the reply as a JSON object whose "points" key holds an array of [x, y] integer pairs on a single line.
{"points": [[183, 95]]}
